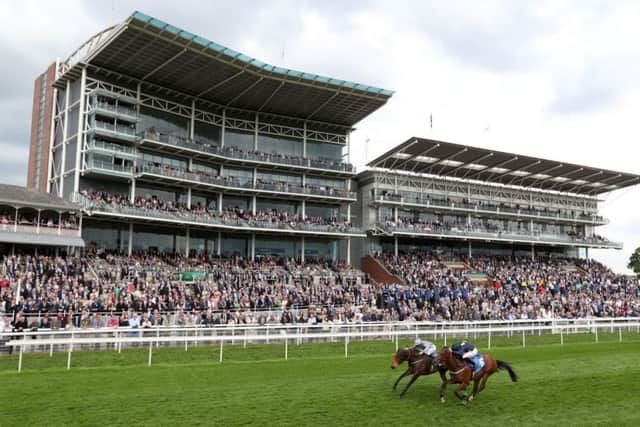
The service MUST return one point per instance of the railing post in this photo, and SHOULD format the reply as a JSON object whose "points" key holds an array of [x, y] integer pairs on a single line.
{"points": [[596, 333], [286, 348], [444, 333], [150, 350], [620, 334], [244, 344], [561, 337], [489, 340], [346, 345], [523, 338], [221, 347], [20, 359], [186, 344], [396, 341]]}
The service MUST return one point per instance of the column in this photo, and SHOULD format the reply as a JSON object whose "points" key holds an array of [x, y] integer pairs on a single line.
{"points": [[303, 208], [304, 141], [395, 245], [38, 223], [348, 250], [80, 225], [586, 253], [252, 247], [65, 127], [302, 249], [59, 223], [189, 198], [255, 177], [130, 245], [253, 204], [193, 120], [255, 135], [222, 129], [81, 134], [395, 214], [186, 243], [133, 190], [219, 203], [469, 248], [219, 244], [533, 252], [15, 223]]}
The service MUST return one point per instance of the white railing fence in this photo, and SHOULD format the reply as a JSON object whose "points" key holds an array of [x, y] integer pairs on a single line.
{"points": [[296, 334]]}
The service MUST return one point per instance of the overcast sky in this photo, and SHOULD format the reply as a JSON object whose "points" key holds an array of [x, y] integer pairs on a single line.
{"points": [[554, 79]]}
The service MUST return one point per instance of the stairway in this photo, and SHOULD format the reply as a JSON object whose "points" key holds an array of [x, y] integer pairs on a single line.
{"points": [[378, 272]]}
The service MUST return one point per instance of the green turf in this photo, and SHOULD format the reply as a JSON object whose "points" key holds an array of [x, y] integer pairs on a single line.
{"points": [[578, 383]]}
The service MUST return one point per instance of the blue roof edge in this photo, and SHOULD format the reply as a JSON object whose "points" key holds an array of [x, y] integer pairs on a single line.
{"points": [[139, 16]]}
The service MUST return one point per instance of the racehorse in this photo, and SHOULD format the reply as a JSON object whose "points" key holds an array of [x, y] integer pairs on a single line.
{"points": [[419, 365], [461, 373]]}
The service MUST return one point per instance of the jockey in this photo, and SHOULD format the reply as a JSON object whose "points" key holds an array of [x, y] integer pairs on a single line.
{"points": [[465, 351], [424, 347]]}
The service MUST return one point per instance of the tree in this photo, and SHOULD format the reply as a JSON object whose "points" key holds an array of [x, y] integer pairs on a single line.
{"points": [[634, 261]]}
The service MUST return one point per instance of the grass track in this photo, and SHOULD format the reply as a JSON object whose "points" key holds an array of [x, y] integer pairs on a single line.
{"points": [[579, 383]]}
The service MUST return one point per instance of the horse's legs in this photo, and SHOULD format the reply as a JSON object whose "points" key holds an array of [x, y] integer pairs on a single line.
{"points": [[443, 386], [415, 377], [404, 374], [483, 382]]}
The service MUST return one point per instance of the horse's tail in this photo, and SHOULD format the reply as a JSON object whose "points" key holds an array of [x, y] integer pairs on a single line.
{"points": [[504, 365]]}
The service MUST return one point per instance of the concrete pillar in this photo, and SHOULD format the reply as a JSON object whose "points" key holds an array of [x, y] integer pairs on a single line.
{"points": [[219, 244], [470, 249], [255, 135], [81, 133], [186, 243], [395, 214], [38, 224], [220, 203], [222, 131], [132, 198], [15, 222], [395, 245], [348, 250], [189, 198], [193, 120], [254, 203], [302, 249], [130, 245], [252, 247], [303, 211], [533, 252]]}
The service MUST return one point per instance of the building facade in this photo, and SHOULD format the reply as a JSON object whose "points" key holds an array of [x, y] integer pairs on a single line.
{"points": [[173, 143]]}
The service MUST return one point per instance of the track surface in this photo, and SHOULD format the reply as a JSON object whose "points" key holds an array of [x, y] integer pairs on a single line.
{"points": [[579, 383]]}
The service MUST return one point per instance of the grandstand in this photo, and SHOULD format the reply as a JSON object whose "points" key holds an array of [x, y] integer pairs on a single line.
{"points": [[463, 200], [175, 144]]}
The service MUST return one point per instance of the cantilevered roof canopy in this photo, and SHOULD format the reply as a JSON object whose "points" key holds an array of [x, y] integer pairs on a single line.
{"points": [[420, 155], [153, 51]]}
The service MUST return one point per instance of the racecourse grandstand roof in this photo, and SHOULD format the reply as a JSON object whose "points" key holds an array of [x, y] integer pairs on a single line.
{"points": [[420, 155], [153, 51], [13, 195]]}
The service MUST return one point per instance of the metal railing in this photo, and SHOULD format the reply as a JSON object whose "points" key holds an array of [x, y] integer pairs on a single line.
{"points": [[234, 153], [240, 183], [116, 338]]}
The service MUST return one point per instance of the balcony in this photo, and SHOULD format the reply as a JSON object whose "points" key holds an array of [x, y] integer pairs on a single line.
{"points": [[235, 183], [183, 218], [104, 147], [234, 155], [108, 168], [115, 131], [490, 210], [32, 234], [474, 233], [110, 110]]}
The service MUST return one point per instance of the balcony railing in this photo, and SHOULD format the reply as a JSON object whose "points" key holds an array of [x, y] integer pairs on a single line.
{"points": [[110, 167], [502, 234], [54, 230], [120, 110], [244, 184], [108, 146], [506, 210], [180, 217], [236, 154]]}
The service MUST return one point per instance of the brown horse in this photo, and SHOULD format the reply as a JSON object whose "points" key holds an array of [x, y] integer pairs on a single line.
{"points": [[461, 373], [419, 365]]}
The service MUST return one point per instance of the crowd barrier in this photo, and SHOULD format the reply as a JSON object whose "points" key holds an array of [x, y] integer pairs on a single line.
{"points": [[117, 338]]}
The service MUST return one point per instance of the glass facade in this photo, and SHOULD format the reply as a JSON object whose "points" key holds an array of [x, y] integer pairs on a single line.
{"points": [[234, 245], [274, 247], [111, 236], [158, 239], [242, 140], [207, 133], [326, 151], [279, 145], [163, 122]]}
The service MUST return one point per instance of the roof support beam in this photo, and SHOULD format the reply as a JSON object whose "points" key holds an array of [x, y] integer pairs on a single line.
{"points": [[217, 85], [242, 92], [511, 171], [465, 164], [264, 104], [542, 172], [321, 106], [415, 156], [445, 158], [564, 175], [164, 64], [587, 184], [619, 185], [586, 178], [496, 165]]}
